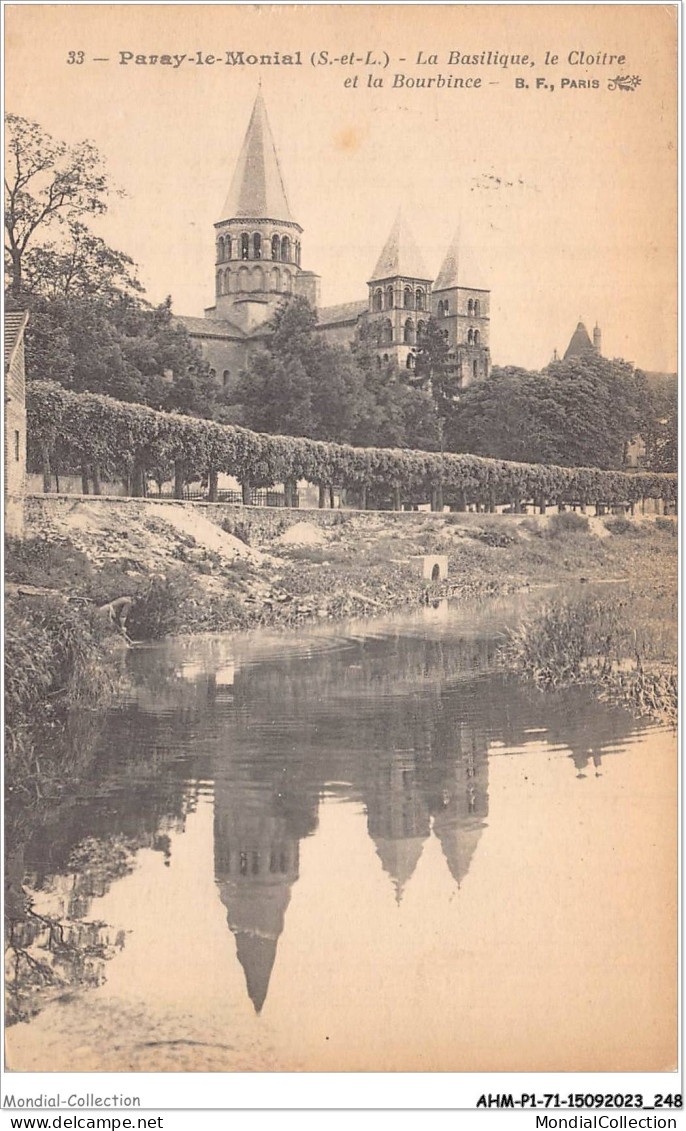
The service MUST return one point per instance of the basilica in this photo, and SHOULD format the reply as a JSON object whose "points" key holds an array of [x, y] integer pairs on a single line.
{"points": [[259, 260]]}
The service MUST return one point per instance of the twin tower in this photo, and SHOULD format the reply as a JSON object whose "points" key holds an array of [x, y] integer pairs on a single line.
{"points": [[259, 260]]}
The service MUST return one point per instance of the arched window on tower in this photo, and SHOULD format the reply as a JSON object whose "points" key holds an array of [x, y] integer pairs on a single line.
{"points": [[227, 282], [407, 298], [410, 363], [408, 332], [421, 327], [477, 337], [257, 246], [257, 279], [476, 307], [245, 245], [286, 249], [419, 298], [220, 249], [228, 243], [470, 306], [389, 298], [470, 334], [287, 282], [275, 279], [378, 299], [387, 332], [243, 279], [475, 368], [276, 247], [219, 282]]}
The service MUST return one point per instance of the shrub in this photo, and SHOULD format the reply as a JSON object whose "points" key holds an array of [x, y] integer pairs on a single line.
{"points": [[532, 526], [495, 535], [239, 529], [569, 522], [46, 563], [667, 524], [624, 526], [55, 659], [159, 607]]}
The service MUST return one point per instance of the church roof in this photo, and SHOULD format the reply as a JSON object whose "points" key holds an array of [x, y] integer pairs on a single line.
{"points": [[459, 268], [209, 327], [343, 312], [257, 190], [579, 343], [401, 255]]}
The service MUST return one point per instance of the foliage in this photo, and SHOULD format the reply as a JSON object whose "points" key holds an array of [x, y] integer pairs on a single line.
{"points": [[158, 609], [494, 534], [667, 524], [117, 345], [46, 563], [70, 428], [567, 523], [54, 660], [579, 412], [48, 184], [303, 385], [598, 642], [622, 526]]}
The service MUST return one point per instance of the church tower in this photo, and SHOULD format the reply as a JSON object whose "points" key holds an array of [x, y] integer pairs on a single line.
{"points": [[258, 242], [399, 296], [461, 304]]}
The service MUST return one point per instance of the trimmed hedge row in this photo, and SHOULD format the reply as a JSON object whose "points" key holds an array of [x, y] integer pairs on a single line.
{"points": [[110, 439]]}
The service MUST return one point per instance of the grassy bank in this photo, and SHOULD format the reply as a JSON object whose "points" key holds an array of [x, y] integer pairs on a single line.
{"points": [[186, 574], [623, 647], [58, 671]]}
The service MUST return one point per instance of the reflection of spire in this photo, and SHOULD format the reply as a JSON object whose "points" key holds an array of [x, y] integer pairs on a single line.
{"points": [[399, 858], [256, 907], [459, 797], [256, 846], [397, 816]]}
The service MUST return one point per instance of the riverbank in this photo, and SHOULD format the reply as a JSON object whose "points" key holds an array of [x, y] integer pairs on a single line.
{"points": [[197, 569], [222, 567]]}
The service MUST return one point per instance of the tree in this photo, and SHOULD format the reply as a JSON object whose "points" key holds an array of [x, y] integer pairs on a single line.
{"points": [[82, 266], [301, 384], [579, 412], [47, 183]]}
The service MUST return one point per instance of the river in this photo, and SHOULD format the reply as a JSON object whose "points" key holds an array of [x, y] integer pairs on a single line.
{"points": [[355, 847]]}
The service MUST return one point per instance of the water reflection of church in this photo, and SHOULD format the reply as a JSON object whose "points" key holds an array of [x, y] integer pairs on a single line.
{"points": [[415, 773], [400, 727]]}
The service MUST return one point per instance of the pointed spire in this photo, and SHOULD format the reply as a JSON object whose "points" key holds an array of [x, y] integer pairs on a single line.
{"points": [[447, 276], [257, 190], [458, 268], [401, 255], [579, 343]]}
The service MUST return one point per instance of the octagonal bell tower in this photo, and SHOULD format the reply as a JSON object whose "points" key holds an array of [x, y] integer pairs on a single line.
{"points": [[258, 242]]}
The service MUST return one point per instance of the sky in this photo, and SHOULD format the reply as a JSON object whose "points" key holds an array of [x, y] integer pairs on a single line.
{"points": [[565, 198]]}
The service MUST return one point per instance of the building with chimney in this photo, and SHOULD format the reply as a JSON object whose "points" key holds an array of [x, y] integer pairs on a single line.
{"points": [[580, 343], [260, 257]]}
